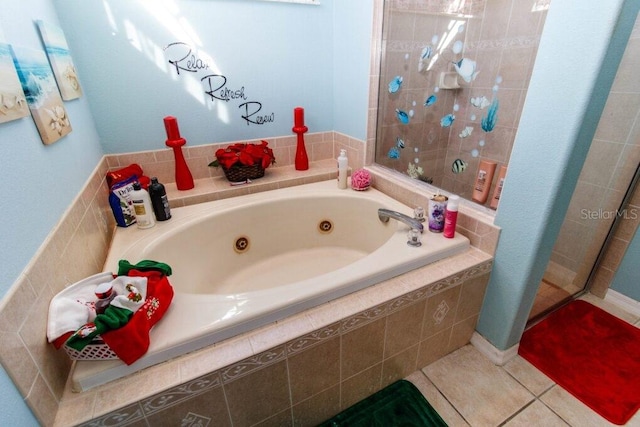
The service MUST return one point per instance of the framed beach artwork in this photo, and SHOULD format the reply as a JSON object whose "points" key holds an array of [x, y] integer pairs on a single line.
{"points": [[13, 104], [57, 50], [42, 94]]}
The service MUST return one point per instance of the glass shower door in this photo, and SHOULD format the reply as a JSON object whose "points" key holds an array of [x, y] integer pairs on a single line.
{"points": [[597, 202]]}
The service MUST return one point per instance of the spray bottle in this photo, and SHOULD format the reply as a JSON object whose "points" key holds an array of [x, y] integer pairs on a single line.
{"points": [[451, 216]]}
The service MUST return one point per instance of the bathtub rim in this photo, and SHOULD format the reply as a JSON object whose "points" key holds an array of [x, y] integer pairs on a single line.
{"points": [[86, 375], [443, 274]]}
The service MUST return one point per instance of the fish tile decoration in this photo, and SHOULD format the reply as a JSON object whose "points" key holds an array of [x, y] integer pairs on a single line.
{"points": [[489, 121], [458, 166], [395, 84]]}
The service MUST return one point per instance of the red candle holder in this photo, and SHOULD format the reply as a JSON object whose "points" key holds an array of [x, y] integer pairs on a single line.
{"points": [[184, 179], [301, 160]]}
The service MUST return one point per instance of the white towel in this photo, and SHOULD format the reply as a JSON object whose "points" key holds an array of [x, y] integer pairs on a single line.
{"points": [[74, 306]]}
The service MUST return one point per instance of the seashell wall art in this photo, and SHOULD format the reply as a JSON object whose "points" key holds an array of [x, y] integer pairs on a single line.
{"points": [[42, 94], [64, 70], [13, 104]]}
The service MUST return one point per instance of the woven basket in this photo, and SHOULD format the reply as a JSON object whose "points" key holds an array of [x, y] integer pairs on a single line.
{"points": [[96, 350], [238, 173]]}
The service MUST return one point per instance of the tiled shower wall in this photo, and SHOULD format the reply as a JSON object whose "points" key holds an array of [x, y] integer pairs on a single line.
{"points": [[605, 177], [502, 36]]}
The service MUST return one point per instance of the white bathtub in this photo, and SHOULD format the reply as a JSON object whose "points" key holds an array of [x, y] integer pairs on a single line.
{"points": [[291, 264]]}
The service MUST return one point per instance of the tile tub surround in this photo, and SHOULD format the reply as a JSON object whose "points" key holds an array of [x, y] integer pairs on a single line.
{"points": [[77, 246], [309, 366], [321, 146]]}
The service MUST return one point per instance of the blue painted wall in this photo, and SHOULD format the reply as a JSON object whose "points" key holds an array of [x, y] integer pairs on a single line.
{"points": [[352, 56], [627, 278], [37, 182], [280, 55]]}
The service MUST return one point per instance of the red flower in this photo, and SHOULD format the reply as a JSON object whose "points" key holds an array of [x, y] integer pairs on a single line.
{"points": [[244, 154]]}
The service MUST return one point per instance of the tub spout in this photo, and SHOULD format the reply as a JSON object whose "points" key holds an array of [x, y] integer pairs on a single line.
{"points": [[385, 214]]}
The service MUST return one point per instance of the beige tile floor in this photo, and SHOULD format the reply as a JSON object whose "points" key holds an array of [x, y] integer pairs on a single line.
{"points": [[468, 390]]}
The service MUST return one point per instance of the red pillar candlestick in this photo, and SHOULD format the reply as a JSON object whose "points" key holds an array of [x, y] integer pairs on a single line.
{"points": [[302, 161], [184, 180]]}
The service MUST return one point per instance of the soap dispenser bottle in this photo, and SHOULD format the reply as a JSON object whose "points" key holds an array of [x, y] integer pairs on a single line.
{"points": [[343, 164], [142, 206]]}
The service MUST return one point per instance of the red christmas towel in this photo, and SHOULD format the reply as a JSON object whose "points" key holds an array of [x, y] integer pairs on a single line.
{"points": [[131, 341]]}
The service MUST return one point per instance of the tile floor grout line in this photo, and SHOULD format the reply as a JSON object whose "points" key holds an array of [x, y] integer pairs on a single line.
{"points": [[518, 412], [551, 409], [443, 396]]}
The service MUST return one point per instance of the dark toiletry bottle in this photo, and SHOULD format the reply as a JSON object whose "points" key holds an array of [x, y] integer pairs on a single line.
{"points": [[159, 200]]}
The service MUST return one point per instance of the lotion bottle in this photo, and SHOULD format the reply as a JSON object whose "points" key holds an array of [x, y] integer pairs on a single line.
{"points": [[142, 207], [343, 164], [451, 216], [483, 181], [495, 199]]}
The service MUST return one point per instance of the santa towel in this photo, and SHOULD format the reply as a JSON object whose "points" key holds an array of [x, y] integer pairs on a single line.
{"points": [[131, 341], [131, 293], [74, 307]]}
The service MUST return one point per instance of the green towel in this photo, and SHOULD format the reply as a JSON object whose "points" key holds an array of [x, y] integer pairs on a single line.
{"points": [[112, 318], [145, 265], [399, 404]]}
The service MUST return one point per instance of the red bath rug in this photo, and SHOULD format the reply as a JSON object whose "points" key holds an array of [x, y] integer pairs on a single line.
{"points": [[593, 355]]}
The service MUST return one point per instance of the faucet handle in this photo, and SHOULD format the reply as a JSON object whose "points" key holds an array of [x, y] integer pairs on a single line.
{"points": [[414, 237], [418, 214]]}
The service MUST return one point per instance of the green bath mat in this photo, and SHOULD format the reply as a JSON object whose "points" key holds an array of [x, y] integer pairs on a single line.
{"points": [[399, 404]]}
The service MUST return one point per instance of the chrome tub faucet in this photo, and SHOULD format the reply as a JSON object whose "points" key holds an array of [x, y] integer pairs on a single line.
{"points": [[385, 214]]}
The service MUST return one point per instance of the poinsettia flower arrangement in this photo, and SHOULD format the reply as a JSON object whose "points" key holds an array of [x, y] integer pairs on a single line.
{"points": [[244, 155]]}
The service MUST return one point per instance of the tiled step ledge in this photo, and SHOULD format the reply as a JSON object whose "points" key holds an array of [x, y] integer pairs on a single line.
{"points": [[208, 189], [126, 392]]}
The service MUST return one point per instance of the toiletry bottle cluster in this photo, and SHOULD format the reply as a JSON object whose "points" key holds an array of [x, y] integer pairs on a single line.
{"points": [[150, 206], [443, 214], [482, 184]]}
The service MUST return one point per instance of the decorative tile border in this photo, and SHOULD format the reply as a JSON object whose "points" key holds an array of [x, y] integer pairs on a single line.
{"points": [[508, 43], [439, 7], [180, 393], [251, 364], [121, 417], [473, 46], [364, 317], [312, 339]]}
